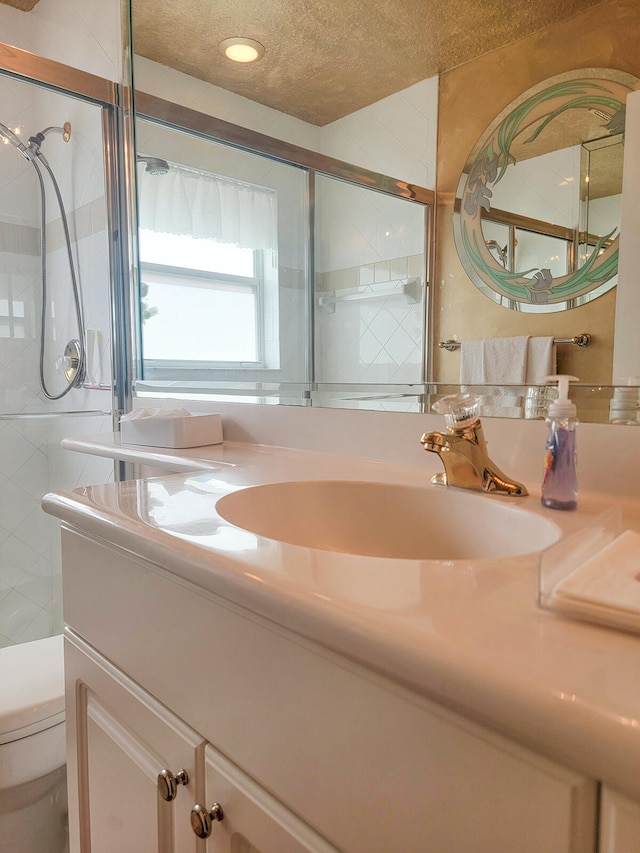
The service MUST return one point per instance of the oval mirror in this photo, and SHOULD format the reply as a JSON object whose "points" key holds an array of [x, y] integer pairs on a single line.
{"points": [[537, 216]]}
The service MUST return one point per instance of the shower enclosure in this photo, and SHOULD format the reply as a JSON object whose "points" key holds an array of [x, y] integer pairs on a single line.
{"points": [[56, 254]]}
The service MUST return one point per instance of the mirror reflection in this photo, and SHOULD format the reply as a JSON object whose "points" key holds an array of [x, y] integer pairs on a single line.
{"points": [[393, 133], [538, 204], [257, 272]]}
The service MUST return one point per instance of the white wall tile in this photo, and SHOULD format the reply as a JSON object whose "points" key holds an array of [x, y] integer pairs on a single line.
{"points": [[42, 625], [16, 614]]}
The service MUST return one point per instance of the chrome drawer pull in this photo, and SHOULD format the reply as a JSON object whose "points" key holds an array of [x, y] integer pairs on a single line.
{"points": [[168, 783], [202, 820]]}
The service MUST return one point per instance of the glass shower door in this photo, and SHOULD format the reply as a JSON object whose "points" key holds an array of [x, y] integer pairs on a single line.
{"points": [[55, 365]]}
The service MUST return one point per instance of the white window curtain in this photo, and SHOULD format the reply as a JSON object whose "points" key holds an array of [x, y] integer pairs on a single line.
{"points": [[188, 201]]}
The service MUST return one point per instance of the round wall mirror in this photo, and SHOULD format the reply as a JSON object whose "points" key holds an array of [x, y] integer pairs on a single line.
{"points": [[537, 216]]}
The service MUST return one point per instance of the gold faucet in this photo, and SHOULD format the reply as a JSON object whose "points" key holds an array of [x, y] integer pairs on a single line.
{"points": [[463, 450]]}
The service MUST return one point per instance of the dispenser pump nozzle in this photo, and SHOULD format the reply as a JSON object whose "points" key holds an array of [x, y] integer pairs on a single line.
{"points": [[562, 407]]}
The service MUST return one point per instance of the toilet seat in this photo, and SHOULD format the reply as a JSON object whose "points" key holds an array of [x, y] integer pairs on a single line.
{"points": [[32, 695], [32, 735]]}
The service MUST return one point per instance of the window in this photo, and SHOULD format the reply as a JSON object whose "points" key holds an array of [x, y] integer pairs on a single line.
{"points": [[201, 301], [203, 243]]}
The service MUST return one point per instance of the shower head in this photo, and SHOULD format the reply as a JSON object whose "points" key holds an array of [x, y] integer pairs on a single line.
{"points": [[7, 134], [154, 165]]}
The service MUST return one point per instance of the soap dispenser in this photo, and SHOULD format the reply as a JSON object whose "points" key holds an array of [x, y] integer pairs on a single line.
{"points": [[559, 483]]}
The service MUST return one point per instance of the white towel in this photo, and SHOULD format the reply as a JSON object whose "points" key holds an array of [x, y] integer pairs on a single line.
{"points": [[520, 360], [504, 360], [471, 361], [541, 359], [494, 361]]}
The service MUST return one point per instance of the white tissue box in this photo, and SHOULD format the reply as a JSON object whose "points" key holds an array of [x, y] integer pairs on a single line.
{"points": [[170, 429]]}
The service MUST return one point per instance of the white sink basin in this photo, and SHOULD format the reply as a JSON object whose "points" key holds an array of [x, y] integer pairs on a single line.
{"points": [[388, 520]]}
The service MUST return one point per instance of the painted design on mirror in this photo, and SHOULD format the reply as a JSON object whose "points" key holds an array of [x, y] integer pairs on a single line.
{"points": [[594, 106]]}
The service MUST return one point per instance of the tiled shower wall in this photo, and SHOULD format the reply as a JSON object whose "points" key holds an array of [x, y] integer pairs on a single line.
{"points": [[369, 338], [377, 340], [85, 35]]}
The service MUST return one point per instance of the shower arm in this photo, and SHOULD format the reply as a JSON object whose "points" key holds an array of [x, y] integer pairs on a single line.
{"points": [[37, 139]]}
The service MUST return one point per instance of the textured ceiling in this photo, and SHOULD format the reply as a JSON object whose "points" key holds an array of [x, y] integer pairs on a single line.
{"points": [[327, 58], [23, 5]]}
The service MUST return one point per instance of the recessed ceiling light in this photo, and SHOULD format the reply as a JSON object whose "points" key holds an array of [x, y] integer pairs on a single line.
{"points": [[241, 49]]}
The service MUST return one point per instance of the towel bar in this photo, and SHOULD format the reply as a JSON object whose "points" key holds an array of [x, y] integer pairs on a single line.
{"points": [[582, 340], [410, 287]]}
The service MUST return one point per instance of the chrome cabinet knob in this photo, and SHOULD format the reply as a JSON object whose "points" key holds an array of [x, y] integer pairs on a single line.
{"points": [[202, 819], [168, 783]]}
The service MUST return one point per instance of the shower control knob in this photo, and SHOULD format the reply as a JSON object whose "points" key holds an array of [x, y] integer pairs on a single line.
{"points": [[168, 783], [202, 819], [63, 362]]}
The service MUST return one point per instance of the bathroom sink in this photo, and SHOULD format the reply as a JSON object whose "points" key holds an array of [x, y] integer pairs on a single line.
{"points": [[388, 520]]}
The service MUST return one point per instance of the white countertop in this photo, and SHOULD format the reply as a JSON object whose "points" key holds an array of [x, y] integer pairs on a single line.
{"points": [[465, 633]]}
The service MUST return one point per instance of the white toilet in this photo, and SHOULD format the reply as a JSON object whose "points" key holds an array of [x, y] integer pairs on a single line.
{"points": [[33, 810]]}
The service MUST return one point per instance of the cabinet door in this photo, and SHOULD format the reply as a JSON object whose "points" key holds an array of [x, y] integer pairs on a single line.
{"points": [[252, 820], [125, 740], [619, 823]]}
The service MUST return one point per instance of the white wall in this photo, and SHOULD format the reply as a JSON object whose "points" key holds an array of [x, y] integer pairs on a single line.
{"points": [[396, 136], [85, 34]]}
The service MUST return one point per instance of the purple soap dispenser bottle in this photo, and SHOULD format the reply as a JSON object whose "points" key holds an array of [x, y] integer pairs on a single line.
{"points": [[559, 483]]}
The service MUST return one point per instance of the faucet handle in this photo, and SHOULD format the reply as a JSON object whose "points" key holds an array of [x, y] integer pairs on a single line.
{"points": [[459, 410]]}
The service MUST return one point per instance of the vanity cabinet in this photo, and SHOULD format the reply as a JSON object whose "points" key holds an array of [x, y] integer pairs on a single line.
{"points": [[126, 798], [619, 823], [303, 749], [122, 741]]}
